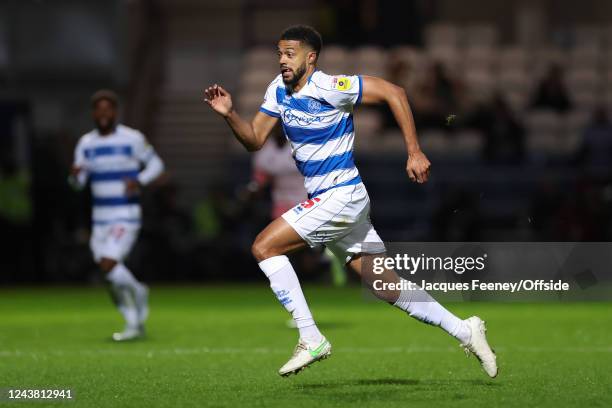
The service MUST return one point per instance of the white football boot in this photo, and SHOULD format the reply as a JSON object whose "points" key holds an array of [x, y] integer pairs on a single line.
{"points": [[304, 355], [130, 333], [479, 346]]}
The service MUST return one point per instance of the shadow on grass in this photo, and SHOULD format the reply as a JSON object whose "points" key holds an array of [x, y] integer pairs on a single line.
{"points": [[399, 382], [334, 325], [324, 326], [139, 340]]}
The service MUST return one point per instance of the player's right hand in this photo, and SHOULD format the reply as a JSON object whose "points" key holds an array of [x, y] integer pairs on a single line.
{"points": [[218, 99], [132, 187], [73, 178], [75, 170]]}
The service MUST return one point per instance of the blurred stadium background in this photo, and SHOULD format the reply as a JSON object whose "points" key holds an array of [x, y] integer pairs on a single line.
{"points": [[512, 102]]}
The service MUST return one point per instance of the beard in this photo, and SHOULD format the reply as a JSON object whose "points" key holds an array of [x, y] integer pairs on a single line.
{"points": [[291, 83], [105, 127]]}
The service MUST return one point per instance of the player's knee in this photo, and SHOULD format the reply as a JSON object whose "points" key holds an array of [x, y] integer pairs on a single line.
{"points": [[107, 264], [261, 250]]}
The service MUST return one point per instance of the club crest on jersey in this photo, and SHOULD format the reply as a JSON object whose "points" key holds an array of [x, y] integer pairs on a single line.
{"points": [[314, 106], [342, 83]]}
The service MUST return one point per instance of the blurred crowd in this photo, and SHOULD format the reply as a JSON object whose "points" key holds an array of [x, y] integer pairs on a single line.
{"points": [[440, 102]]}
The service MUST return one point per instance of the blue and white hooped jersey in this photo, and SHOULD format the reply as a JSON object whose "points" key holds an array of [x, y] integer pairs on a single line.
{"points": [[318, 121], [107, 161]]}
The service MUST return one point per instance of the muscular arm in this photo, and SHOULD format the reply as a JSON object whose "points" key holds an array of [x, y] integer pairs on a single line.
{"points": [[376, 91], [252, 135]]}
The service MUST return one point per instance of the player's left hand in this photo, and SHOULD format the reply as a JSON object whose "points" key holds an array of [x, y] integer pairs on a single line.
{"points": [[418, 167], [132, 187]]}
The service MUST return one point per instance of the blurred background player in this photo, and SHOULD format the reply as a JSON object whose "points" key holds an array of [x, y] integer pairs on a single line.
{"points": [[274, 166], [117, 161]]}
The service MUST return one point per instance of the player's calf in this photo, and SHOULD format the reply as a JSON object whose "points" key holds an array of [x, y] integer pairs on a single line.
{"points": [[129, 295], [360, 264], [422, 306], [269, 248]]}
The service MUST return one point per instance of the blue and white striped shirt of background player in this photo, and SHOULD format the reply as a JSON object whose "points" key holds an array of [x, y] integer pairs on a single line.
{"points": [[318, 121], [107, 161]]}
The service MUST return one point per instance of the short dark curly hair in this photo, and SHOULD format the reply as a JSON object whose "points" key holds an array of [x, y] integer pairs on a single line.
{"points": [[304, 34], [104, 94]]}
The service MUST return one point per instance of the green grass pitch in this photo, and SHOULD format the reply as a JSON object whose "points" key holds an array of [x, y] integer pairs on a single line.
{"points": [[221, 346]]}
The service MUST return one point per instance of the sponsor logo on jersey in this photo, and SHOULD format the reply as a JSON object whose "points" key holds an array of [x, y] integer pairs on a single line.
{"points": [[306, 204], [300, 118], [310, 203]]}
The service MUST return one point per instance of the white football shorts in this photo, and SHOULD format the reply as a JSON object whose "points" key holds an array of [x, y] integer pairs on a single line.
{"points": [[340, 220], [113, 241]]}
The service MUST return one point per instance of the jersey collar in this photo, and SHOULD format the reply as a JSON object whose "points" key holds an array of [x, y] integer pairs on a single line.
{"points": [[310, 76]]}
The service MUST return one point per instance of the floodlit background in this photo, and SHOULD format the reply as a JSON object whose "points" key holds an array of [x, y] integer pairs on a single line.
{"points": [[512, 102]]}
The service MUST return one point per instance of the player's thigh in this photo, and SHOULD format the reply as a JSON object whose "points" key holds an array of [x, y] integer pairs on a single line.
{"points": [[362, 239], [118, 242], [97, 240], [278, 238]]}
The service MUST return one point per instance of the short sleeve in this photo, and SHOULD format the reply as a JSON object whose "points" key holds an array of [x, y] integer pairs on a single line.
{"points": [[80, 158], [270, 105], [341, 91], [142, 149]]}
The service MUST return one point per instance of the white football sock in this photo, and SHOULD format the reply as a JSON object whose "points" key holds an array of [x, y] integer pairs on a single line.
{"points": [[121, 275], [286, 286], [420, 305], [123, 285]]}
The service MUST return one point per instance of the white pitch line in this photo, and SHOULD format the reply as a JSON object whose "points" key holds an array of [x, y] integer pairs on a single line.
{"points": [[262, 350]]}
